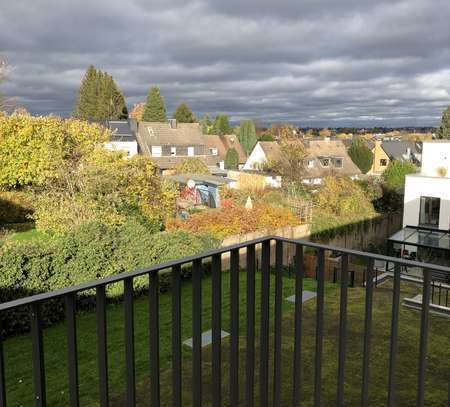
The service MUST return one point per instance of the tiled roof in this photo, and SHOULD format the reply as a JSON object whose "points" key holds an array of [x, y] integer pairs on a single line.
{"points": [[224, 143]]}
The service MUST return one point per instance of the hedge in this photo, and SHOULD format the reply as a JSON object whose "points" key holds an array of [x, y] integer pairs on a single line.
{"points": [[93, 251]]}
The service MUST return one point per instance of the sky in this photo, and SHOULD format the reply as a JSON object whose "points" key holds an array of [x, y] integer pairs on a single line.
{"points": [[323, 63]]}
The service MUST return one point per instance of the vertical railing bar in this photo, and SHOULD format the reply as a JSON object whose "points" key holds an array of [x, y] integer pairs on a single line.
{"points": [[423, 337], [38, 354], [234, 337], [154, 338], [176, 336], [102, 345], [394, 336], [278, 323], [342, 329], [319, 326], [250, 340], [264, 332], [367, 333], [197, 333], [2, 370], [72, 353], [299, 272], [216, 330], [129, 342]]}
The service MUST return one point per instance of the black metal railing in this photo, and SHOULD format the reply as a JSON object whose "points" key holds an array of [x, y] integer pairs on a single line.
{"points": [[257, 355]]}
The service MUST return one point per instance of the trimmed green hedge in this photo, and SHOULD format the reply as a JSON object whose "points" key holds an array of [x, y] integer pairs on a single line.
{"points": [[93, 251]]}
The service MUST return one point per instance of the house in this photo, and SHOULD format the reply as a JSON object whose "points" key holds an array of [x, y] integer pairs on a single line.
{"points": [[123, 136], [403, 150], [219, 145], [381, 159], [262, 154], [169, 143], [326, 156], [427, 194]]}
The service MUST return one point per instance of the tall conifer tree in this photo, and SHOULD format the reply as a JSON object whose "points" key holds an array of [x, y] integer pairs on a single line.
{"points": [[154, 109], [247, 135], [183, 114], [444, 129]]}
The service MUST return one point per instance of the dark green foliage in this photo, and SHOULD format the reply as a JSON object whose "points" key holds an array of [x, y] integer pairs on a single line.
{"points": [[267, 137], [99, 98], [232, 159], [221, 125], [394, 175], [206, 124], [155, 108], [183, 114], [92, 251], [247, 135], [361, 155], [444, 129]]}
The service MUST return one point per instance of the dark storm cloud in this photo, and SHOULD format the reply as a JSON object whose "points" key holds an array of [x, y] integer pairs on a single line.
{"points": [[317, 62]]}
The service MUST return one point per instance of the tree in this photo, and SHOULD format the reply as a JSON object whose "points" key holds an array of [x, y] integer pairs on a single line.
{"points": [[232, 159], [99, 98], [221, 125], [192, 166], [155, 108], [33, 150], [206, 124], [183, 114], [325, 132], [395, 173], [137, 111], [361, 155], [291, 162], [5, 103], [247, 135], [444, 129]]}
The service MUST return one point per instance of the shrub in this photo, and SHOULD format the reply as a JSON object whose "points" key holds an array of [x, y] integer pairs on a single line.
{"points": [[90, 252], [361, 155], [232, 159], [106, 188], [395, 173], [192, 166], [224, 222]]}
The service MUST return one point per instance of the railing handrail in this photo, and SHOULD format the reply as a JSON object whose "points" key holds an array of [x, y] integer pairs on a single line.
{"points": [[209, 253]]}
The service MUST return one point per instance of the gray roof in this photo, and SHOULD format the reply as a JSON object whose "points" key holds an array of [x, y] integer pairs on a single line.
{"points": [[398, 149], [121, 130], [206, 179]]}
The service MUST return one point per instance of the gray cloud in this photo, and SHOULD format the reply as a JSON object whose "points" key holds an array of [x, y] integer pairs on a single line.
{"points": [[313, 62]]}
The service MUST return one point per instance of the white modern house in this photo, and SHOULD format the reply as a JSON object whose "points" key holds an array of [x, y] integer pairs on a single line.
{"points": [[123, 137], [427, 194]]}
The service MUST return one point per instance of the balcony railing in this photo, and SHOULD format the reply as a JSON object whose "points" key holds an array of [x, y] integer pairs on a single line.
{"points": [[263, 343]]}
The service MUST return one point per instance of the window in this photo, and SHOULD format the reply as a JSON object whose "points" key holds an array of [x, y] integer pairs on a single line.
{"points": [[173, 151], [310, 163], [213, 151], [338, 162], [191, 151], [325, 162], [429, 211], [383, 162], [156, 151]]}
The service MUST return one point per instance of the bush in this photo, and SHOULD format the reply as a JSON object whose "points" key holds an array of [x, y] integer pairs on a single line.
{"points": [[192, 166], [395, 173], [15, 207], [361, 155], [92, 251], [224, 222]]}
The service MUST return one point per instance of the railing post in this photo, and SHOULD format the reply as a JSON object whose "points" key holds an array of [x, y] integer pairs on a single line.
{"points": [[319, 326], [38, 355], [70, 301], [367, 334], [154, 338], [299, 273], [423, 337]]}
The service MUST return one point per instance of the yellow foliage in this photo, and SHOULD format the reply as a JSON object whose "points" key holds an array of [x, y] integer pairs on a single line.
{"points": [[251, 182]]}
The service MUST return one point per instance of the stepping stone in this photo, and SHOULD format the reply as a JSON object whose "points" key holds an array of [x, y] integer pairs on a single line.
{"points": [[306, 295], [206, 338]]}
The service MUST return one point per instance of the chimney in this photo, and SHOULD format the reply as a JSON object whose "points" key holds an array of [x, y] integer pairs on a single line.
{"points": [[173, 123]]}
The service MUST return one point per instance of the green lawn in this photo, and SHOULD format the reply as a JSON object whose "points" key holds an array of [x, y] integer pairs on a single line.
{"points": [[18, 350], [19, 232]]}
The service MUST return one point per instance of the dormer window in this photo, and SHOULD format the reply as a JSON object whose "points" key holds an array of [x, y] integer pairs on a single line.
{"points": [[338, 162], [150, 131], [326, 162], [213, 151], [310, 164]]}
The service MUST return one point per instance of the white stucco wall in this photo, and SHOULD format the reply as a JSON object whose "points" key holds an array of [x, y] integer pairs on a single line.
{"points": [[420, 185], [129, 147], [256, 160], [435, 154]]}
